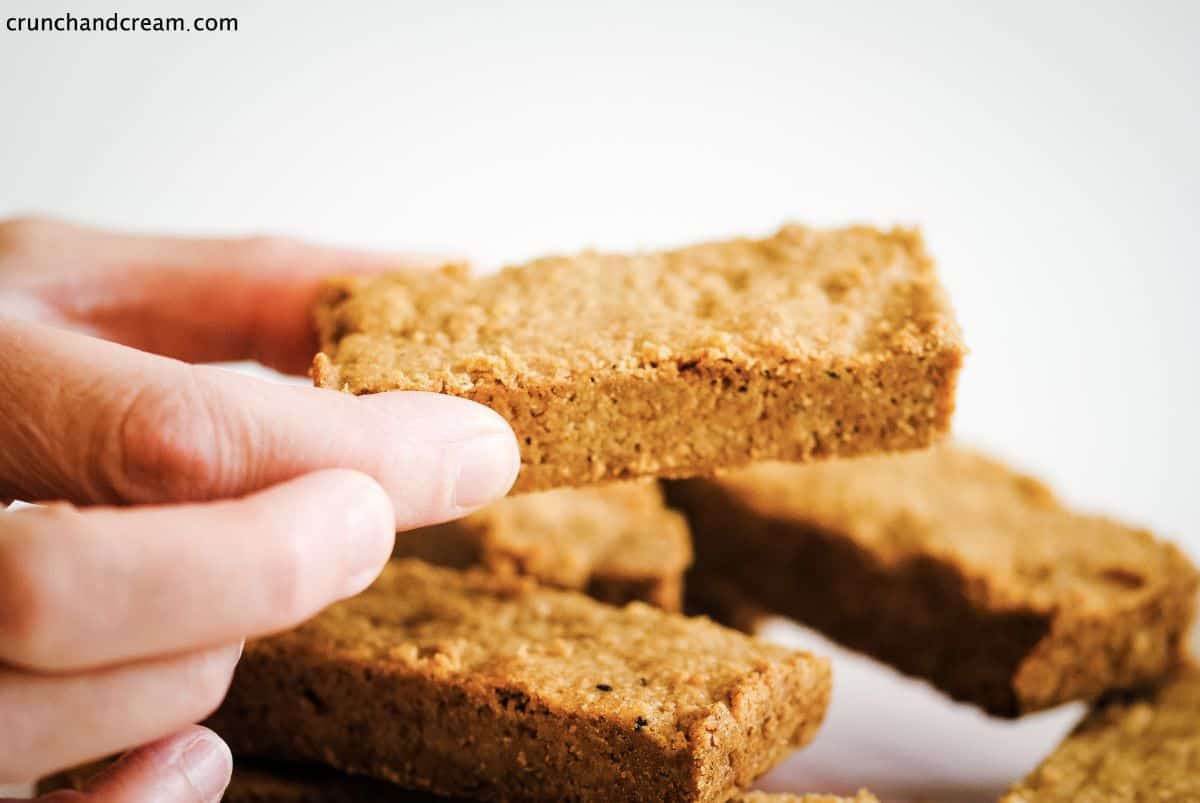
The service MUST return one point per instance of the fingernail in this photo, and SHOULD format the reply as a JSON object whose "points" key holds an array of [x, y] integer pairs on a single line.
{"points": [[370, 528], [207, 764], [487, 466]]}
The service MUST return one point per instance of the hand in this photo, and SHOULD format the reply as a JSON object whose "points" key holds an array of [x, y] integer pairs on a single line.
{"points": [[191, 507]]}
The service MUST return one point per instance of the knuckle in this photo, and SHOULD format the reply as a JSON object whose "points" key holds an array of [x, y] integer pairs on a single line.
{"points": [[165, 446]]}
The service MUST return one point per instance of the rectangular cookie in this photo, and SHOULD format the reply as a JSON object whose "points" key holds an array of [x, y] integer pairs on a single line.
{"points": [[492, 687], [1128, 750], [617, 542], [260, 781], [951, 567], [808, 344]]}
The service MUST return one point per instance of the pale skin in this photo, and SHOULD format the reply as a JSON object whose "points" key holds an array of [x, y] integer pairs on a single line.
{"points": [[189, 508]]}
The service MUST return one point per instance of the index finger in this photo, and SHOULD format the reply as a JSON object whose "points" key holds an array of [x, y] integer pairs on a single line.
{"points": [[193, 298]]}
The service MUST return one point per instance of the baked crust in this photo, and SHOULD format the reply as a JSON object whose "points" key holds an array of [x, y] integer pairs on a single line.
{"points": [[618, 543], [804, 345], [258, 781], [951, 567], [491, 687]]}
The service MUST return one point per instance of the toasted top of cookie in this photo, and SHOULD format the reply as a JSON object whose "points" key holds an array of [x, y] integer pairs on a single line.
{"points": [[657, 672], [846, 293]]}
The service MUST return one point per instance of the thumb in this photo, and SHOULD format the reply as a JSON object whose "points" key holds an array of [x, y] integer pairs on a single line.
{"points": [[191, 766]]}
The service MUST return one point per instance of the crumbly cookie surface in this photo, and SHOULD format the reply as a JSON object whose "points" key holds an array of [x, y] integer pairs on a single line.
{"points": [[805, 344], [951, 566], [473, 683]]}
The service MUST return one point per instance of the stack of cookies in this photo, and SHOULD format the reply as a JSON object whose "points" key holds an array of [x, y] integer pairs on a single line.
{"points": [[536, 650]]}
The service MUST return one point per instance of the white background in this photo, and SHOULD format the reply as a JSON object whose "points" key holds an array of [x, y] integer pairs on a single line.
{"points": [[1050, 151]]}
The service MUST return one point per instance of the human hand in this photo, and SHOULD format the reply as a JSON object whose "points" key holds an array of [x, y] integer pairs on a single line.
{"points": [[192, 507]]}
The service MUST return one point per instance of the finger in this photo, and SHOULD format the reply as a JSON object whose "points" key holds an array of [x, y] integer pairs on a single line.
{"points": [[93, 422], [196, 299], [53, 721], [81, 589], [191, 766]]}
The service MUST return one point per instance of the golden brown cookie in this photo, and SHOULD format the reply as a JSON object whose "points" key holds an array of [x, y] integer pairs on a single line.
{"points": [[808, 344], [492, 687]]}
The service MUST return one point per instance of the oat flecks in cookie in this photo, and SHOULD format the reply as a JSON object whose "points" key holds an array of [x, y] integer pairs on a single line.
{"points": [[807, 344], [952, 567], [471, 683], [618, 542], [1127, 751]]}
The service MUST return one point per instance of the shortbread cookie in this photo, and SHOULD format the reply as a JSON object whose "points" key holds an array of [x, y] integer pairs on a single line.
{"points": [[808, 344], [492, 687], [952, 567]]}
